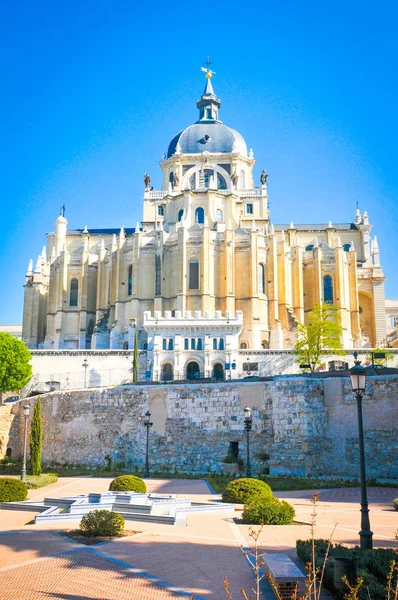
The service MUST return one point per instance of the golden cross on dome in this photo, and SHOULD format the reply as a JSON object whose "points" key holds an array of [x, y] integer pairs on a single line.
{"points": [[208, 71]]}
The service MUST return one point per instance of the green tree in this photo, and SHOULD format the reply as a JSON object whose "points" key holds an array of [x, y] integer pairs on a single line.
{"points": [[323, 332], [36, 436], [135, 358], [15, 367]]}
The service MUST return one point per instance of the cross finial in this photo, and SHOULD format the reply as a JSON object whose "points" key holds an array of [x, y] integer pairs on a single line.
{"points": [[208, 71]]}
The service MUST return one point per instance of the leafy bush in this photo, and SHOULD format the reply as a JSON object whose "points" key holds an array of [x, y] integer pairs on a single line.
{"points": [[37, 481], [372, 565], [269, 511], [395, 504], [12, 490], [242, 490], [128, 483], [101, 523]]}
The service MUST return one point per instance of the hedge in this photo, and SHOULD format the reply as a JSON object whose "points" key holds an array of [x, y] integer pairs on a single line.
{"points": [[102, 523], [128, 483], [240, 491], [269, 511], [12, 490], [372, 565]]}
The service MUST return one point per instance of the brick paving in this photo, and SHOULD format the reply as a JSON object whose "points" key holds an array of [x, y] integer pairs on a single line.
{"points": [[80, 575], [36, 563]]}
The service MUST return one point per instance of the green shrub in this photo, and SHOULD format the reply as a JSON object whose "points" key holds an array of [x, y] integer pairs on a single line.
{"points": [[101, 523], [12, 490], [372, 565], [395, 503], [268, 511], [241, 490], [128, 483], [37, 481]]}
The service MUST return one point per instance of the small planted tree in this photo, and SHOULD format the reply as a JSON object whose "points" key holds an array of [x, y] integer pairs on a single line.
{"points": [[36, 439], [323, 332], [135, 358], [15, 367]]}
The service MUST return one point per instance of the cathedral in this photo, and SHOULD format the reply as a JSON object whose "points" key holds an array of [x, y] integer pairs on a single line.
{"points": [[206, 273]]}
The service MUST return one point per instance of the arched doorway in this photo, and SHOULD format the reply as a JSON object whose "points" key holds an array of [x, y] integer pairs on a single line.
{"points": [[167, 372], [193, 370], [218, 371]]}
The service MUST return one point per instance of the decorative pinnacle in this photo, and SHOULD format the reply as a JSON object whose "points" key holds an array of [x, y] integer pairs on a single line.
{"points": [[207, 70]]}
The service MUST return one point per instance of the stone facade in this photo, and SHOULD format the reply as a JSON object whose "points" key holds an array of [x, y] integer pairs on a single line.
{"points": [[205, 245], [304, 425]]}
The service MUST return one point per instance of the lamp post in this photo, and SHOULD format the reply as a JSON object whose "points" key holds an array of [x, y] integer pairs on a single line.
{"points": [[358, 384], [248, 428], [148, 424], [26, 412], [85, 365]]}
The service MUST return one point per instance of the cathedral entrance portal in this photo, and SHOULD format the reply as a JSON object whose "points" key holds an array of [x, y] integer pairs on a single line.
{"points": [[218, 371], [167, 372], [193, 370]]}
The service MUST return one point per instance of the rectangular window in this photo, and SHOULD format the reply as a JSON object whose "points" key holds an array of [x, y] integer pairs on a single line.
{"points": [[395, 321], [249, 209], [193, 275], [250, 366]]}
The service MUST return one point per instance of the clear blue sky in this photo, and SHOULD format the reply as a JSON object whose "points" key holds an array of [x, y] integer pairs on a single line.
{"points": [[93, 91]]}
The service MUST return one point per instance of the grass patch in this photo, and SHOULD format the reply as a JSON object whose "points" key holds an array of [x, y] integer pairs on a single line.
{"points": [[90, 540], [283, 483], [38, 481]]}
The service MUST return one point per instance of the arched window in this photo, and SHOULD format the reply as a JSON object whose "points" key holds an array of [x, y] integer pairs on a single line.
{"points": [[309, 247], [160, 211], [221, 345], [171, 177], [186, 344], [171, 344], [192, 182], [243, 346], [164, 344], [261, 278], [193, 344], [199, 345], [328, 289], [221, 183], [208, 178], [158, 276], [180, 215], [200, 216], [130, 281], [125, 345], [214, 343], [193, 274], [219, 215], [74, 292], [145, 346], [347, 247], [242, 182]]}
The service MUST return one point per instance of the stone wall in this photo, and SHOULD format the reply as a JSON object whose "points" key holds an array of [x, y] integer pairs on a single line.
{"points": [[305, 425]]}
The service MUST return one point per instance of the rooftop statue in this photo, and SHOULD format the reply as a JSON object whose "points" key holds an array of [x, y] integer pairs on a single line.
{"points": [[263, 177]]}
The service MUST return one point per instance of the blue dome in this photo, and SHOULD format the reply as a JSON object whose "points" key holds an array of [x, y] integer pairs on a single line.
{"points": [[211, 136]]}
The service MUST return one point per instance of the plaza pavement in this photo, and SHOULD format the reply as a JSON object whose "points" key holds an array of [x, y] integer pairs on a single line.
{"points": [[162, 561]]}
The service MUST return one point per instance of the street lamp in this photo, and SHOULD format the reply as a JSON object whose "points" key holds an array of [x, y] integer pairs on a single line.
{"points": [[148, 424], [358, 384], [248, 428], [26, 412], [85, 366]]}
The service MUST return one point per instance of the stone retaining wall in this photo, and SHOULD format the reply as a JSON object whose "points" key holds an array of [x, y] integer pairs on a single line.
{"points": [[305, 426]]}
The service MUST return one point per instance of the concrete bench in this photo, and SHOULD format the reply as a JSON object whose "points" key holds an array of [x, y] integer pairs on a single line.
{"points": [[285, 573]]}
